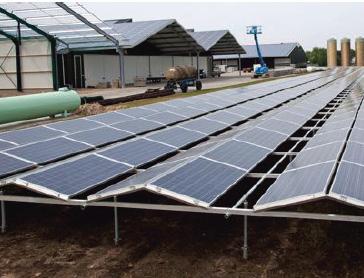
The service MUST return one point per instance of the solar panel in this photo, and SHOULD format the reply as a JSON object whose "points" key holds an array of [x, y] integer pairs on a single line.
{"points": [[298, 185], [177, 137], [6, 145], [138, 126], [348, 183], [242, 111], [356, 134], [221, 102], [11, 165], [256, 106], [138, 152], [110, 118], [48, 151], [75, 177], [291, 117], [178, 103], [239, 154], [226, 117], [205, 126], [359, 123], [77, 125], [187, 112], [301, 111], [100, 136], [279, 126], [331, 126], [30, 135], [159, 107], [201, 180], [327, 137], [166, 118], [262, 137], [354, 152], [138, 112], [205, 106], [320, 154]]}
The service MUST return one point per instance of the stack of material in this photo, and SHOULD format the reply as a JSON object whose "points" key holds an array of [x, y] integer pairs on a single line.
{"points": [[116, 83], [139, 82], [103, 85], [180, 72]]}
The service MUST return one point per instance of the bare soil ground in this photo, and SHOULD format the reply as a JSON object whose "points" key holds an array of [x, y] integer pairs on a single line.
{"points": [[51, 241]]}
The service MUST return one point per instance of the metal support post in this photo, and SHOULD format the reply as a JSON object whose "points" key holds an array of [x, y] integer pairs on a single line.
{"points": [[198, 65], [3, 216], [239, 63], [117, 238], [121, 67], [245, 247]]}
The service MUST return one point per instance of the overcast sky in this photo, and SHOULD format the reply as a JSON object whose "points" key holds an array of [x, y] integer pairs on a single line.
{"points": [[310, 24]]}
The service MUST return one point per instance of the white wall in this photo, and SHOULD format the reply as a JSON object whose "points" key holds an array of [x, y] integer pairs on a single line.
{"points": [[35, 61], [106, 67]]}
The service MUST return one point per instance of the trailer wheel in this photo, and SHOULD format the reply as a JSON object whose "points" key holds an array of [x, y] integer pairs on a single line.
{"points": [[198, 85], [184, 88]]}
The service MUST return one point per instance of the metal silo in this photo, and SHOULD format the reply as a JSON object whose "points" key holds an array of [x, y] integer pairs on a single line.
{"points": [[331, 53], [359, 51], [345, 52]]}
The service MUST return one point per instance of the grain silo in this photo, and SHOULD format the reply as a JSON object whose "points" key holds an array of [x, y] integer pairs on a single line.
{"points": [[359, 51], [345, 52], [331, 53]]}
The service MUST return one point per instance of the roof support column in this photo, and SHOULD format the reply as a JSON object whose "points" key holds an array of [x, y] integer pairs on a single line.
{"points": [[3, 217], [239, 63], [121, 67], [54, 64], [198, 65]]}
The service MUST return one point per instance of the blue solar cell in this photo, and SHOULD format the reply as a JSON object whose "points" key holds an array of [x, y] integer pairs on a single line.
{"points": [[30, 135], [48, 151], [225, 117], [239, 154], [138, 112], [138, 152], [77, 125], [77, 176], [205, 106], [101, 136], [201, 179], [279, 126], [138, 126], [262, 137], [205, 126], [11, 165], [110, 118], [159, 107], [187, 112], [177, 137], [6, 145], [166, 118]]}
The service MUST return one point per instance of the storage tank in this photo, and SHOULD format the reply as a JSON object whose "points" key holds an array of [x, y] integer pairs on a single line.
{"points": [[345, 52], [359, 51], [180, 72], [331, 53], [28, 107]]}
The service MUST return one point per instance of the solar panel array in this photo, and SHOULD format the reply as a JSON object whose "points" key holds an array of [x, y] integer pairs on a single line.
{"points": [[80, 135], [308, 176], [107, 128], [203, 179]]}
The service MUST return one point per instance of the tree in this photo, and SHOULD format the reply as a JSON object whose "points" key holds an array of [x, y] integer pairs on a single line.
{"points": [[317, 56]]}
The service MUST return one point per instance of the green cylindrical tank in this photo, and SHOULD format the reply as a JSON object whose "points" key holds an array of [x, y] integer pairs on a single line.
{"points": [[28, 107]]}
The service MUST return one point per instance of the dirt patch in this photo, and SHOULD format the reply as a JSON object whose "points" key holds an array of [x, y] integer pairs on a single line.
{"points": [[50, 241], [95, 108]]}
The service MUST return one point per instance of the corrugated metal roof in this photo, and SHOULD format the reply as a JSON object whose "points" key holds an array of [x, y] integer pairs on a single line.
{"points": [[166, 35], [268, 50], [217, 42]]}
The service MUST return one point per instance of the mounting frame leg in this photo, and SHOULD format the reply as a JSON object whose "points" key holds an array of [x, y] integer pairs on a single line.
{"points": [[245, 247], [116, 219], [3, 215]]}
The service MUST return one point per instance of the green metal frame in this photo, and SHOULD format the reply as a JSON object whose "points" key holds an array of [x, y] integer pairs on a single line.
{"points": [[51, 39]]}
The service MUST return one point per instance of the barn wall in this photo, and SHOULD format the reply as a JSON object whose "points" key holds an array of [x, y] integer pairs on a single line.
{"points": [[36, 65], [100, 67]]}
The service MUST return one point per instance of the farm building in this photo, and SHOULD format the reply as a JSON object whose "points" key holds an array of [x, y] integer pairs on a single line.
{"points": [[79, 50], [275, 56]]}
